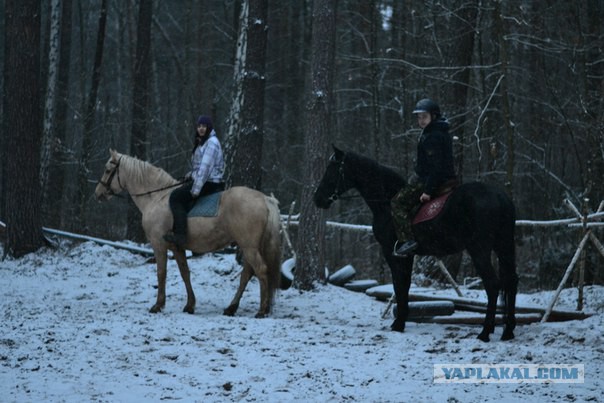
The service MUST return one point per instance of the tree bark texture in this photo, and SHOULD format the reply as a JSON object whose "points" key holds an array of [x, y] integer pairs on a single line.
{"points": [[22, 126], [84, 190], [140, 106], [51, 94], [246, 153], [310, 261]]}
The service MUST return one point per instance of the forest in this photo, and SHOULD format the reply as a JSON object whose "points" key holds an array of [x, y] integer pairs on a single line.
{"points": [[521, 83]]}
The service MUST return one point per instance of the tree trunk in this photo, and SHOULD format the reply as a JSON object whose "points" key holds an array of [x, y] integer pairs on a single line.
{"points": [[84, 190], [310, 265], [51, 95], [22, 120], [140, 94], [234, 117], [245, 144], [59, 151], [595, 102], [375, 84], [462, 56], [505, 103]]}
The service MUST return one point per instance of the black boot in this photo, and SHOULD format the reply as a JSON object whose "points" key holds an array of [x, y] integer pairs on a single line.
{"points": [[177, 239], [406, 248]]}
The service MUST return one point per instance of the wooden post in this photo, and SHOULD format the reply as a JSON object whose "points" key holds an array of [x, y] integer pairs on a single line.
{"points": [[596, 243], [565, 278], [390, 302], [285, 230], [442, 267], [393, 296], [594, 240], [581, 280]]}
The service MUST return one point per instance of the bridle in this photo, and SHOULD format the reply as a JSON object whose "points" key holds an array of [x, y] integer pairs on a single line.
{"points": [[112, 174], [337, 193]]}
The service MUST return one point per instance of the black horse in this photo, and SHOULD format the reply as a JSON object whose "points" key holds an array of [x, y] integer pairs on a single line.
{"points": [[477, 217]]}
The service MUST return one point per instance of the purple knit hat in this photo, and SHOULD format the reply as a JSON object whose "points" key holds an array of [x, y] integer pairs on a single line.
{"points": [[204, 120]]}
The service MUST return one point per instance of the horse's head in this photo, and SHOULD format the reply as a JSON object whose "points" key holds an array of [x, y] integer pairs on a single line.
{"points": [[334, 182], [109, 184]]}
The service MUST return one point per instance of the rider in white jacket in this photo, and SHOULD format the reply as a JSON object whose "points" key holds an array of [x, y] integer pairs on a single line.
{"points": [[206, 177]]}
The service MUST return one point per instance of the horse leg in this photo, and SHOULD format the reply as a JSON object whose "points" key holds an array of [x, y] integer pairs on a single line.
{"points": [[261, 272], [482, 263], [401, 269], [161, 259], [185, 273], [509, 282], [253, 257], [510, 288], [246, 274]]}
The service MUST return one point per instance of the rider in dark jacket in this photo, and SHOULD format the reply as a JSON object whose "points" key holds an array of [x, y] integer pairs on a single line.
{"points": [[435, 156], [434, 169]]}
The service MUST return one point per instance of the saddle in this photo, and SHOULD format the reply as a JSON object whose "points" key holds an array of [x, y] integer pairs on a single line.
{"points": [[431, 209], [206, 206]]}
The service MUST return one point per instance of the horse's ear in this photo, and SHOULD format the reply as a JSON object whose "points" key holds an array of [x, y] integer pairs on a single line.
{"points": [[337, 153], [113, 153]]}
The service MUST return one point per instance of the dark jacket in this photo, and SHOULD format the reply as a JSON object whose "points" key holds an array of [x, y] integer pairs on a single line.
{"points": [[435, 156]]}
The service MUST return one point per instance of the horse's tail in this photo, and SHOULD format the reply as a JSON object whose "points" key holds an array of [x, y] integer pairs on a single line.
{"points": [[271, 245]]}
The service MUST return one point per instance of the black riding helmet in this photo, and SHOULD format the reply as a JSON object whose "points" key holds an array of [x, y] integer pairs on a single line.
{"points": [[427, 105]]}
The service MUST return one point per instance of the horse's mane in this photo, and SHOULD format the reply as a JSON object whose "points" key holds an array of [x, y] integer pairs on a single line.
{"points": [[371, 168], [145, 172]]}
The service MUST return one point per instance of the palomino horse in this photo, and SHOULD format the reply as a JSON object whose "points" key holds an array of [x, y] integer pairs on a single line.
{"points": [[477, 217], [245, 216]]}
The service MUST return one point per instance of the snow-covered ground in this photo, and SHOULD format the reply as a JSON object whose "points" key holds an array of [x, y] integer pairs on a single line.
{"points": [[76, 327]]}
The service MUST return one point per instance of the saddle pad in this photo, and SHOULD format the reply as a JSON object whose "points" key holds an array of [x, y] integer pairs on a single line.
{"points": [[206, 206], [431, 209]]}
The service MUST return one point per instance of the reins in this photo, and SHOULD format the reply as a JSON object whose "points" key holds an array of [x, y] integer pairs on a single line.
{"points": [[160, 189], [337, 195], [336, 191]]}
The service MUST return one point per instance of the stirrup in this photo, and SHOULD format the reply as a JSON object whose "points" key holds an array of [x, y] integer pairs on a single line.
{"points": [[396, 246], [405, 249]]}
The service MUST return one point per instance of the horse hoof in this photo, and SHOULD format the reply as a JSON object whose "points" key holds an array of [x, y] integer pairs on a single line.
{"points": [[155, 309], [397, 326], [189, 310], [484, 336], [260, 315], [507, 335], [230, 311]]}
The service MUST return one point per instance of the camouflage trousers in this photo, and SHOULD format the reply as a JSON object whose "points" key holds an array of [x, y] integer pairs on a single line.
{"points": [[404, 206]]}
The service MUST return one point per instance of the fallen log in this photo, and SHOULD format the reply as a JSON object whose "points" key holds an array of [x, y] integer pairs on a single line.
{"points": [[385, 292], [523, 318], [287, 273], [381, 292], [342, 276], [428, 309], [288, 269], [360, 285], [119, 245], [466, 304]]}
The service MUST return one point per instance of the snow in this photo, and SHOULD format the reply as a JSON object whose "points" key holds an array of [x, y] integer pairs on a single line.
{"points": [[76, 327]]}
